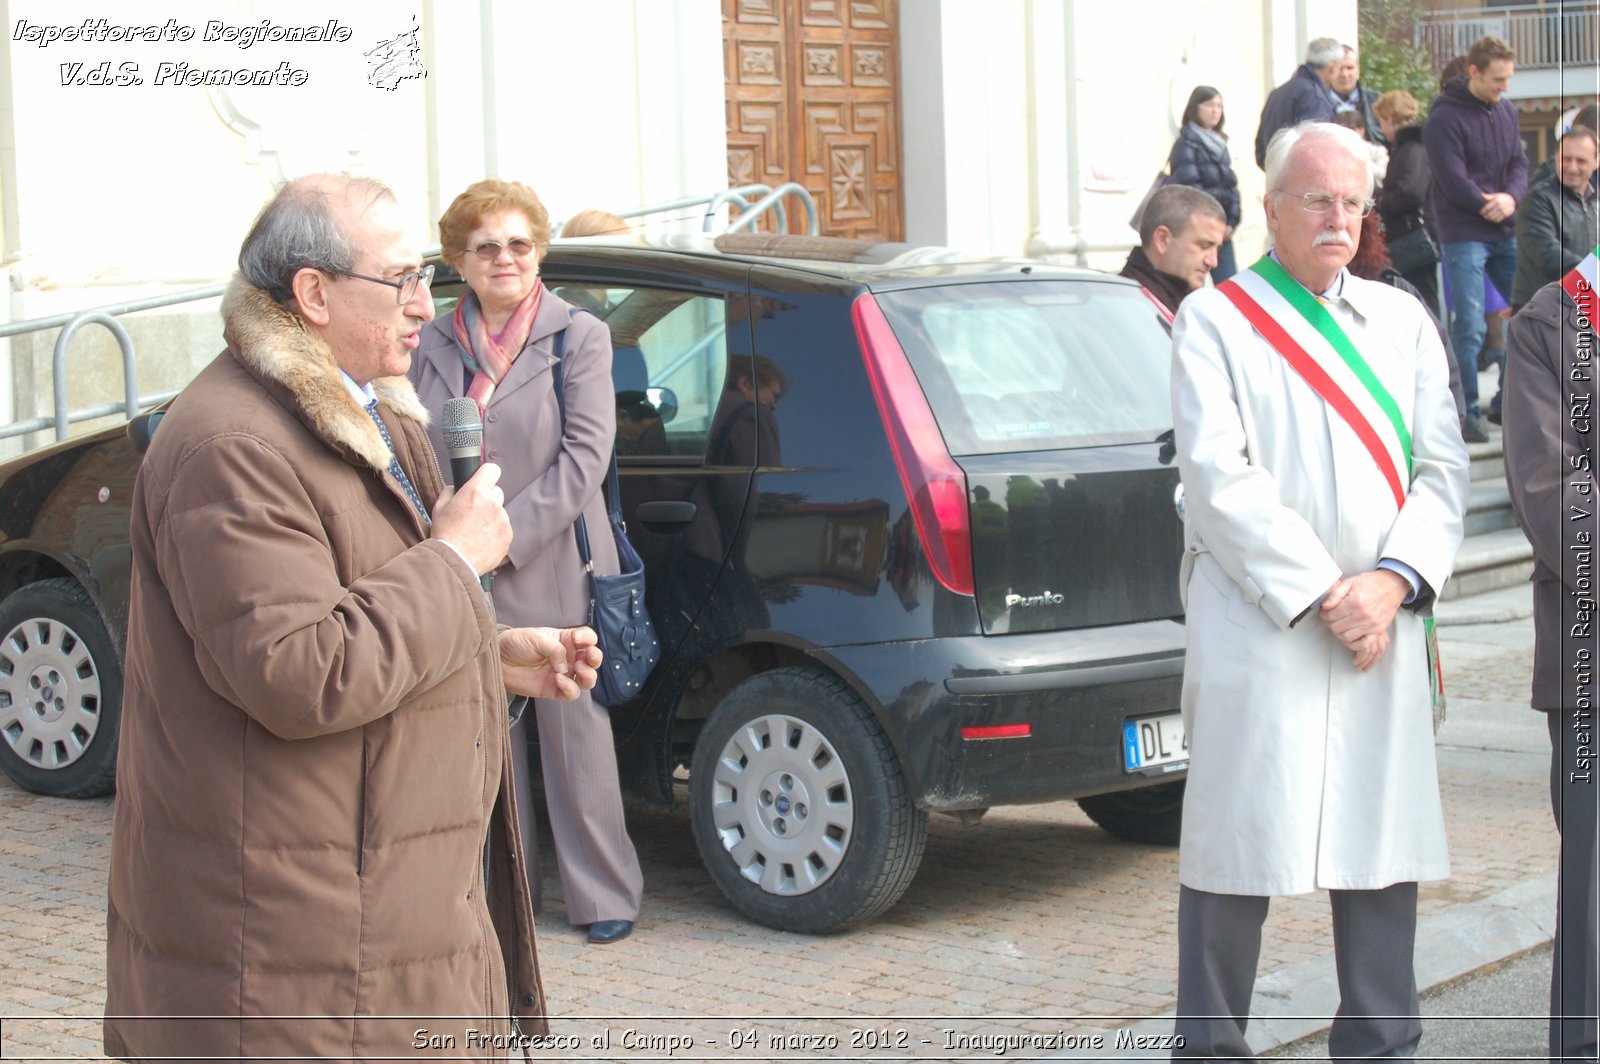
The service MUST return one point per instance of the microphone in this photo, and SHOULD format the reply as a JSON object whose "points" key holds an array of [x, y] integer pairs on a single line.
{"points": [[462, 426]]}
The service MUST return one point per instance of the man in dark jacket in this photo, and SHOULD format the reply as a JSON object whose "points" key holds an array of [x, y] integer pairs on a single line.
{"points": [[1305, 97], [1179, 235], [1350, 95], [1550, 468], [1557, 219], [1480, 172]]}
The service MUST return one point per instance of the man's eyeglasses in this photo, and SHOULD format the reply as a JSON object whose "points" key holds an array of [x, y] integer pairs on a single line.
{"points": [[1322, 203], [489, 250], [406, 287]]}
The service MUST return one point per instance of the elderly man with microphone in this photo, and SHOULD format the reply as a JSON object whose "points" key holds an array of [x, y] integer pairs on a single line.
{"points": [[315, 847]]}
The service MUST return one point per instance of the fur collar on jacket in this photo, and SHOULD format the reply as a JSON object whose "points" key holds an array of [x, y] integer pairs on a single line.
{"points": [[275, 344]]}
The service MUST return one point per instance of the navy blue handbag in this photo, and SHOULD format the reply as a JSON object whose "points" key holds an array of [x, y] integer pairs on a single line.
{"points": [[616, 603]]}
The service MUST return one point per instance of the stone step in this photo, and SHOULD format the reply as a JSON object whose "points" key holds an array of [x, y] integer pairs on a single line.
{"points": [[1488, 459], [1490, 560], [1489, 507], [1491, 607]]}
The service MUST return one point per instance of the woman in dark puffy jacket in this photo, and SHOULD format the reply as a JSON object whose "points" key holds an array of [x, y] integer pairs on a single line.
{"points": [[1200, 160], [1403, 200]]}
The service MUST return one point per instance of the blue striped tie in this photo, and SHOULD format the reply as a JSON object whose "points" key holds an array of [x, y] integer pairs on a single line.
{"points": [[394, 465]]}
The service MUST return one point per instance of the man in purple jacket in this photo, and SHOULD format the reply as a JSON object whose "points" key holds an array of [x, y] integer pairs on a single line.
{"points": [[1479, 173]]}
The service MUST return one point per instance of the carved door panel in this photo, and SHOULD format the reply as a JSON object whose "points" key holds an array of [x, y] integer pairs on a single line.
{"points": [[813, 97]]}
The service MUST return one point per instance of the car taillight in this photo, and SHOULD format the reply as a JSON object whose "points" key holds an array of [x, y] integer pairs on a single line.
{"points": [[997, 731], [934, 485]]}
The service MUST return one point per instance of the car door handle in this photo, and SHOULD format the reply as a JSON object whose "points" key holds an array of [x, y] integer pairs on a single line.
{"points": [[665, 512]]}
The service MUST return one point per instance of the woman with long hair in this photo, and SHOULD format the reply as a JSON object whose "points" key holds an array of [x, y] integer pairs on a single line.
{"points": [[1200, 159]]}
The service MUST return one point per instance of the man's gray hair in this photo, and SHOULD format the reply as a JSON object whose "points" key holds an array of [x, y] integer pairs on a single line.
{"points": [[1175, 206], [1324, 52], [300, 227], [1284, 142]]}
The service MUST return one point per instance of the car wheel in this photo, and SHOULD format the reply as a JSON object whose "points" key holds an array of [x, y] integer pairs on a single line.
{"points": [[60, 691], [799, 806], [1150, 814]]}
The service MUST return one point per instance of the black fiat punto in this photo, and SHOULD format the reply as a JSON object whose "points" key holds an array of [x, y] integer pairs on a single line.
{"points": [[912, 543]]}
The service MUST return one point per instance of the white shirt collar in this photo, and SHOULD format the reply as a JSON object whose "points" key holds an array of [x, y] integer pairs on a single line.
{"points": [[361, 393], [1355, 296], [1335, 290]]}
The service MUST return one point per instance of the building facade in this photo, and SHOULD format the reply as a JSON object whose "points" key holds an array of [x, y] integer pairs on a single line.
{"points": [[137, 143]]}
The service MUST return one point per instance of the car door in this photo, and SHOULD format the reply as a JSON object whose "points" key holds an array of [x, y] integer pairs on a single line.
{"points": [[680, 333]]}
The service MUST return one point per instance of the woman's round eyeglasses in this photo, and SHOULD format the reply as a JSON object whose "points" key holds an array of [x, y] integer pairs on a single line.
{"points": [[489, 250]]}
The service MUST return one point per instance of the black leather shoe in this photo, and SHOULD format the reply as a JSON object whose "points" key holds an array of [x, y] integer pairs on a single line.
{"points": [[603, 931]]}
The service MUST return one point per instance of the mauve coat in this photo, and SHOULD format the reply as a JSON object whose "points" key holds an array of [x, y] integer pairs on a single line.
{"points": [[549, 476]]}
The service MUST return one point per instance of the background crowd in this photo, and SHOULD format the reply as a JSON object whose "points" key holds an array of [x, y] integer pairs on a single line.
{"points": [[1460, 220]]}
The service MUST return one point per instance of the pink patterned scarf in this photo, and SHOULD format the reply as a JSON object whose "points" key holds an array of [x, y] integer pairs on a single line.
{"points": [[487, 356]]}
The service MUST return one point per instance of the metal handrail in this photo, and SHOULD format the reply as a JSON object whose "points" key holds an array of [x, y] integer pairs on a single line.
{"points": [[191, 295], [58, 367], [772, 199], [69, 324], [728, 197]]}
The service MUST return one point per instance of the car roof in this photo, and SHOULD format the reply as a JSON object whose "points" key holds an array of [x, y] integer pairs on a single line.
{"points": [[873, 263]]}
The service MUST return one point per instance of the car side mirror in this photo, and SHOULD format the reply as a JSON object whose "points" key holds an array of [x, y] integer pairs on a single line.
{"points": [[142, 428]]}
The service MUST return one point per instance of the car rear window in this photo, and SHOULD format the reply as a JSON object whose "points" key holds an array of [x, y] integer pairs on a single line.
{"points": [[1036, 365]]}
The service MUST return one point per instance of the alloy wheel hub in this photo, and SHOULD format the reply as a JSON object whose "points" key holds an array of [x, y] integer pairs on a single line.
{"points": [[49, 693], [782, 804]]}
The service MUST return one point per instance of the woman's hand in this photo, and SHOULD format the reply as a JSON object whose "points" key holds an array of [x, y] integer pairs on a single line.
{"points": [[555, 663]]}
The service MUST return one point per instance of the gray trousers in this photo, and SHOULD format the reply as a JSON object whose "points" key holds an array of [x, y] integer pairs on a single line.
{"points": [[1575, 970], [1219, 945], [600, 874]]}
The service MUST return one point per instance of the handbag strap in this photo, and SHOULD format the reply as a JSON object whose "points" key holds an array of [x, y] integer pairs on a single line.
{"points": [[611, 488]]}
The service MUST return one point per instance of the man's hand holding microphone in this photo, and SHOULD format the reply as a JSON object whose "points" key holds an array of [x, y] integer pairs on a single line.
{"points": [[555, 663]]}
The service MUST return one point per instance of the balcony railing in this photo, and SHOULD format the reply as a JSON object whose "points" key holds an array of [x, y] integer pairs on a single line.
{"points": [[1561, 33]]}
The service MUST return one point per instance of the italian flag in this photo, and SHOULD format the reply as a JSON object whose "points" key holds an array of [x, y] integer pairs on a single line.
{"points": [[1579, 283]]}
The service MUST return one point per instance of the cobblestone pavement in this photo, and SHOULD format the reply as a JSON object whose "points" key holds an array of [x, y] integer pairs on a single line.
{"points": [[1032, 922]]}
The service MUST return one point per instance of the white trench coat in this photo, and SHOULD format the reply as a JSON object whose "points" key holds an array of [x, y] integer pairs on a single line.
{"points": [[1304, 772]]}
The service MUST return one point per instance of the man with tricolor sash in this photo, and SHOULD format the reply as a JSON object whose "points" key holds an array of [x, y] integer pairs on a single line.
{"points": [[1325, 486], [1550, 432]]}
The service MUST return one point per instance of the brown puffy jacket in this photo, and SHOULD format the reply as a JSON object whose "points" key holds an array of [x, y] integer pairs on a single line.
{"points": [[313, 736]]}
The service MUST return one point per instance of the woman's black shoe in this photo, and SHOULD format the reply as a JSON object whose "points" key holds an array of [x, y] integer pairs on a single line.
{"points": [[609, 930]]}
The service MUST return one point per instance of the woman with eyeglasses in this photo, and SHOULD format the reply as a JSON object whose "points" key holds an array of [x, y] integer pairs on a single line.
{"points": [[1200, 159], [497, 347]]}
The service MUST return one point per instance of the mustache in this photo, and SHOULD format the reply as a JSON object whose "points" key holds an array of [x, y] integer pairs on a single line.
{"points": [[1333, 236]]}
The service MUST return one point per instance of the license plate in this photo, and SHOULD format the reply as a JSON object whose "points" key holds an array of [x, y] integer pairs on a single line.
{"points": [[1154, 742]]}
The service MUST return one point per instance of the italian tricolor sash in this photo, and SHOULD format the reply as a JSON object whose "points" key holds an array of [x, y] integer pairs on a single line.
{"points": [[1300, 329], [1579, 283]]}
